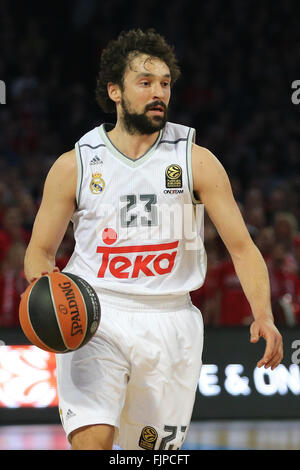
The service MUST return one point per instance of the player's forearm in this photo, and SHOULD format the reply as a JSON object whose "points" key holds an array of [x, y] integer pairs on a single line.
{"points": [[253, 274], [37, 261]]}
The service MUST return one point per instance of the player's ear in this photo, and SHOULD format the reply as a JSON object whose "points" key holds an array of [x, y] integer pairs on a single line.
{"points": [[114, 92]]}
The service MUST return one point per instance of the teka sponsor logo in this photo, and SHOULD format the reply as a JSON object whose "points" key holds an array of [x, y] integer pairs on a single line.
{"points": [[125, 262]]}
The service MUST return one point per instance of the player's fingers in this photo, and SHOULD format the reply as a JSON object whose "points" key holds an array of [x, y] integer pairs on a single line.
{"points": [[278, 356], [268, 354], [254, 333], [273, 352], [43, 273], [275, 361]]}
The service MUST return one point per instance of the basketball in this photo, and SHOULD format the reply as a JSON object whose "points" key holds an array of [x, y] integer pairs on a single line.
{"points": [[59, 312]]}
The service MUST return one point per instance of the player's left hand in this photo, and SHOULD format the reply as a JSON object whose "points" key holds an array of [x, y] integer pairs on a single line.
{"points": [[265, 328], [55, 270]]}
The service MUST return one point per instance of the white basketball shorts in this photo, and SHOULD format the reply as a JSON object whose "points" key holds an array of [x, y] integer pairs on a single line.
{"points": [[139, 373]]}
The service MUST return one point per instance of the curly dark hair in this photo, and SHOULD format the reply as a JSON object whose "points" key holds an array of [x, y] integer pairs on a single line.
{"points": [[118, 53]]}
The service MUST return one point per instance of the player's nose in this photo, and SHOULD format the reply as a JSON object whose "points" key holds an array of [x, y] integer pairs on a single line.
{"points": [[157, 91]]}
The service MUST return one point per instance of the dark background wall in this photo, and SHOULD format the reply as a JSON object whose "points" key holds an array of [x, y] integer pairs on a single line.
{"points": [[240, 62]]}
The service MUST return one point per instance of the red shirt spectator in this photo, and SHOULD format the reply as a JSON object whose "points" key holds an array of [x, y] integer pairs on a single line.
{"points": [[235, 308], [285, 288], [206, 298], [12, 231], [12, 285]]}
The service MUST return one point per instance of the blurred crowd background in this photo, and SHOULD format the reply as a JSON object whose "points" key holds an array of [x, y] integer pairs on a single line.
{"points": [[238, 59]]}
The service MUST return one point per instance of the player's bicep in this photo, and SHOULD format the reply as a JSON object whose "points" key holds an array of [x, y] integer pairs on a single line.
{"points": [[213, 187], [57, 206]]}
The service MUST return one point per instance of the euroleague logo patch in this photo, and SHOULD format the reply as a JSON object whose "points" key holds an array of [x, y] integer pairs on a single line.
{"points": [[148, 438], [173, 176]]}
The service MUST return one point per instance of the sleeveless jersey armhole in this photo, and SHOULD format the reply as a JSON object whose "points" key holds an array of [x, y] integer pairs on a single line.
{"points": [[79, 173], [191, 140]]}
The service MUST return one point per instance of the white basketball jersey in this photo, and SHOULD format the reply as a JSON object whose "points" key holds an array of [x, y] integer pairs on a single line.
{"points": [[137, 227]]}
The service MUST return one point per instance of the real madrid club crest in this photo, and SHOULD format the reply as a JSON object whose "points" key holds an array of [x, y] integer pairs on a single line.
{"points": [[173, 176], [97, 184]]}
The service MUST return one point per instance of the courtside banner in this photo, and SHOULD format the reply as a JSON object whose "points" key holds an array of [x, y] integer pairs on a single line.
{"points": [[27, 377], [230, 385]]}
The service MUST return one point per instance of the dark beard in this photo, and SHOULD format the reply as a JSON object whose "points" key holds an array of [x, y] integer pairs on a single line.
{"points": [[135, 123]]}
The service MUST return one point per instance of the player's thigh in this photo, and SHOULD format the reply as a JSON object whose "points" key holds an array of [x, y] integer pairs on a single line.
{"points": [[162, 386], [92, 385], [163, 426], [94, 437]]}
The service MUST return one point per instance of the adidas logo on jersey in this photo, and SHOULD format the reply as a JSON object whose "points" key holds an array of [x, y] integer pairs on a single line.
{"points": [[96, 160], [70, 414]]}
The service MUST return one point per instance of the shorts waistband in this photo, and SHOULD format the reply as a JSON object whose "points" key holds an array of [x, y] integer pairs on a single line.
{"points": [[143, 302]]}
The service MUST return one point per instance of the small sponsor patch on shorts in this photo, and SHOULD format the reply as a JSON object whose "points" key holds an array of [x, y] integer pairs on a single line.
{"points": [[148, 438]]}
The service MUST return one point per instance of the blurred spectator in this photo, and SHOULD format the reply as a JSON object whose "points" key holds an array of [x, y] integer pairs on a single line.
{"points": [[285, 228], [296, 253], [255, 219], [207, 297], [285, 288], [26, 81], [234, 306], [265, 241], [4, 199], [12, 231], [12, 285], [28, 208], [253, 198], [277, 201]]}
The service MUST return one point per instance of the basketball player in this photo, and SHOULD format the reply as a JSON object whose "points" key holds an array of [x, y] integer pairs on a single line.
{"points": [[135, 192]]}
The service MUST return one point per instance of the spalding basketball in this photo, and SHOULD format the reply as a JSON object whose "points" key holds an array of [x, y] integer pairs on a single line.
{"points": [[59, 312]]}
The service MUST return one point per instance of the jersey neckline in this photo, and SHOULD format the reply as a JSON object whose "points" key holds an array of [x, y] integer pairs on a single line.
{"points": [[103, 129]]}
